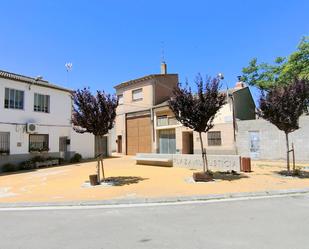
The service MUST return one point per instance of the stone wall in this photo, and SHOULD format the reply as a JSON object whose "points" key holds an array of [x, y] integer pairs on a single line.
{"points": [[215, 162], [272, 140]]}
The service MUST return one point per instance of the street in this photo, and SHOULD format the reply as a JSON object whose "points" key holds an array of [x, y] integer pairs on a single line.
{"points": [[256, 224]]}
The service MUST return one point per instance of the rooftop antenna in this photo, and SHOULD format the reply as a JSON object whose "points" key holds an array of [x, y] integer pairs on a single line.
{"points": [[68, 67], [163, 64]]}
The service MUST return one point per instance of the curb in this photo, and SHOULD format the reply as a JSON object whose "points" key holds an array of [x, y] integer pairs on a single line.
{"points": [[161, 200]]}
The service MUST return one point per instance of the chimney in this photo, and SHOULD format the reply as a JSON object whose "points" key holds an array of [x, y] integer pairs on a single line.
{"points": [[239, 84], [163, 67]]}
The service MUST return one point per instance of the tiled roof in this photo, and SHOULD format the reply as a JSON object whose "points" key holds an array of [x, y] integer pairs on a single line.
{"points": [[30, 80], [130, 82]]}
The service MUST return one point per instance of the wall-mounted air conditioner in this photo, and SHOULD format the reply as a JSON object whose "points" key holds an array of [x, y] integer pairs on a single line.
{"points": [[32, 128]]}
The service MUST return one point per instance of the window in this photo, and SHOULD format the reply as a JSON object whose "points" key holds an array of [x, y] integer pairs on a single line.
{"points": [[4, 143], [162, 120], [41, 103], [137, 94], [214, 138], [14, 99], [120, 99], [38, 142]]}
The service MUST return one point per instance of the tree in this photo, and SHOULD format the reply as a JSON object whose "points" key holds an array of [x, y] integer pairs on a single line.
{"points": [[283, 105], [282, 72], [198, 110], [94, 114]]}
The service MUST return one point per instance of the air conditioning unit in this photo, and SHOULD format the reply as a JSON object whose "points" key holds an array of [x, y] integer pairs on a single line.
{"points": [[32, 128]]}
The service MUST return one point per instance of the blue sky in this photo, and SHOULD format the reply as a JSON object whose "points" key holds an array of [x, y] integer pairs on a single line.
{"points": [[109, 42]]}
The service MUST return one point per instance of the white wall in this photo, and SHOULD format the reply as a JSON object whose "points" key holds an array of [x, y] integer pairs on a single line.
{"points": [[82, 144], [60, 105], [55, 124]]}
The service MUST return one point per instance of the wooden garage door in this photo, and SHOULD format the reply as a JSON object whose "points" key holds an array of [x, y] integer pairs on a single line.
{"points": [[138, 135]]}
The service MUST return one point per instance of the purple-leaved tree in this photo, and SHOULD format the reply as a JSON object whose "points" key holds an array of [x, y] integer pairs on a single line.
{"points": [[283, 105], [94, 114], [197, 110]]}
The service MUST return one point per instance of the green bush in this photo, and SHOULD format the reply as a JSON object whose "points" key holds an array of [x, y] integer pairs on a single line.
{"points": [[27, 165], [76, 158], [9, 167]]}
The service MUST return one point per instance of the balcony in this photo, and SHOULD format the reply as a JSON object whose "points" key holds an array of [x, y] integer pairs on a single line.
{"points": [[166, 121]]}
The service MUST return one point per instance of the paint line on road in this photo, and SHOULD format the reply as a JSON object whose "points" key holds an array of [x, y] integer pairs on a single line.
{"points": [[150, 204]]}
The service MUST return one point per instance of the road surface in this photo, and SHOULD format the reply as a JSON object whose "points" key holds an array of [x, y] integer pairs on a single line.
{"points": [[276, 223]]}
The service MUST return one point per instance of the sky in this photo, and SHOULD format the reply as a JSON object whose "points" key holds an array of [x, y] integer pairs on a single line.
{"points": [[109, 42]]}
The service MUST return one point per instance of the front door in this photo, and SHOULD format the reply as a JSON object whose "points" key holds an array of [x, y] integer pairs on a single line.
{"points": [[119, 144], [100, 146], [167, 142], [63, 146], [254, 144]]}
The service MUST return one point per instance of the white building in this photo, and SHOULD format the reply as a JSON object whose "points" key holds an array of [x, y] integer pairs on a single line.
{"points": [[35, 118]]}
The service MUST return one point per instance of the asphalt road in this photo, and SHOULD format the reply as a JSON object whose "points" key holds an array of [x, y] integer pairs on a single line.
{"points": [[277, 223]]}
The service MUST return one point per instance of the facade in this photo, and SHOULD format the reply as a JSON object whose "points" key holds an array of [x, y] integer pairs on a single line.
{"points": [[145, 123], [259, 139], [134, 128], [173, 138], [35, 119]]}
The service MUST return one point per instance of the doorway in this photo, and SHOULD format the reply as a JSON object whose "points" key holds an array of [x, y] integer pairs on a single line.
{"points": [[187, 142], [100, 146], [63, 146], [119, 144], [167, 141]]}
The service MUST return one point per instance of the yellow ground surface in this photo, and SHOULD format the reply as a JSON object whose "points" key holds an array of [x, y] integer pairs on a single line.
{"points": [[65, 183]]}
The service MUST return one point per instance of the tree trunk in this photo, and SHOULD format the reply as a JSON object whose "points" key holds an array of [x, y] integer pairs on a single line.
{"points": [[98, 170], [204, 156], [287, 152], [103, 173]]}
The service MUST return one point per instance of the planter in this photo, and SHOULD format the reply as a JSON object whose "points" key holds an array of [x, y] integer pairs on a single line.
{"points": [[93, 180], [46, 163], [202, 177]]}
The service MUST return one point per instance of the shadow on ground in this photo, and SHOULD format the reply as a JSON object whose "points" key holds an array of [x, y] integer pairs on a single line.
{"points": [[227, 176], [124, 180], [297, 174]]}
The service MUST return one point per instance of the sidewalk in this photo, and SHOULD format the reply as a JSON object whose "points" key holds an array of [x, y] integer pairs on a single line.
{"points": [[67, 183]]}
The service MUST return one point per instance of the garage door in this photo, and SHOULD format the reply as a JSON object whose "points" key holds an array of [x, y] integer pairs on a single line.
{"points": [[138, 135]]}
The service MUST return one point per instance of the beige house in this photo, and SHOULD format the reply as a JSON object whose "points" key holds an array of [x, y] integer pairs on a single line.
{"points": [[145, 123]]}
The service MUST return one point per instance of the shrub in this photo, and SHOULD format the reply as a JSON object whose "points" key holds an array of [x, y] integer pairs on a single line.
{"points": [[76, 158], [9, 167], [27, 165]]}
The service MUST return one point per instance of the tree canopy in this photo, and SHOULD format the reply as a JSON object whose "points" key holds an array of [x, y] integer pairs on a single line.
{"points": [[283, 71], [197, 110], [283, 105], [94, 113]]}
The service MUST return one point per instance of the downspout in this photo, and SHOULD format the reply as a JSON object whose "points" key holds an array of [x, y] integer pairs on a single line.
{"points": [[234, 121]]}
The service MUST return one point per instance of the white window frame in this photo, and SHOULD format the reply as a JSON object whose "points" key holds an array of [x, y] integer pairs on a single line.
{"points": [[38, 145], [17, 104], [138, 92], [41, 103]]}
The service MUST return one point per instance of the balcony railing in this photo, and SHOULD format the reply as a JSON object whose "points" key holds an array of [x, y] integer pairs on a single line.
{"points": [[166, 121]]}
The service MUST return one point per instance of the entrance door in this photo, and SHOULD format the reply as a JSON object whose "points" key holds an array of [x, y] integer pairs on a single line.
{"points": [[254, 144], [100, 146], [167, 142], [63, 146], [187, 143], [119, 144]]}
